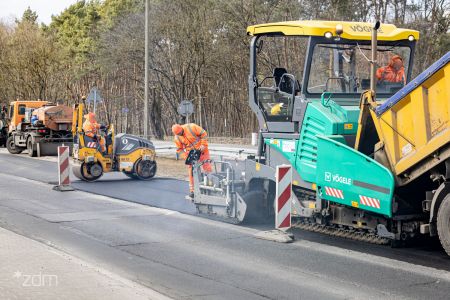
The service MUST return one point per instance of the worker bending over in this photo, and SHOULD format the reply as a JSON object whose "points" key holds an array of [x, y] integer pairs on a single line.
{"points": [[92, 129], [192, 137], [394, 72]]}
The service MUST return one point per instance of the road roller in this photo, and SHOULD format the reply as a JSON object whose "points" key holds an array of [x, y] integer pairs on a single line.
{"points": [[132, 155]]}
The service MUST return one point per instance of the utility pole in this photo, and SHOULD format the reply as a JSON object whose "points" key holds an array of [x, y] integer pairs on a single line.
{"points": [[147, 38], [95, 100]]}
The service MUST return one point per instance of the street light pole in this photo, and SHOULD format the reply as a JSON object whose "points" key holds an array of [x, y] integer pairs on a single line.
{"points": [[147, 11]]}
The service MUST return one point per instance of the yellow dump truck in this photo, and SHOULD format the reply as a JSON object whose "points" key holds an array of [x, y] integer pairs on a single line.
{"points": [[410, 135], [414, 125]]}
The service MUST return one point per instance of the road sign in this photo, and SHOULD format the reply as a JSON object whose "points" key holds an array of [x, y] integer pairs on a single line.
{"points": [[95, 97], [186, 108], [283, 190]]}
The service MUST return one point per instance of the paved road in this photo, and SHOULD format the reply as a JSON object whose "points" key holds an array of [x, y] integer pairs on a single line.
{"points": [[184, 256], [170, 194], [160, 192]]}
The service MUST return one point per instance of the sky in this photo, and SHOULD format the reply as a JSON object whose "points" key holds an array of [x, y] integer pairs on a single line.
{"points": [[12, 9]]}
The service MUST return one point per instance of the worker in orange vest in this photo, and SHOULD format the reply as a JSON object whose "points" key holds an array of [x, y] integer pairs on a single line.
{"points": [[394, 72], [92, 129], [191, 137]]}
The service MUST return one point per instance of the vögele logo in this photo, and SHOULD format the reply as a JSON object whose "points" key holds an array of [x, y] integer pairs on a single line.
{"points": [[337, 178]]}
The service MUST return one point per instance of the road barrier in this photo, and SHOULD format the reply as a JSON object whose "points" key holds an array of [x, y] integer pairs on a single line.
{"points": [[283, 206], [284, 192], [63, 170]]}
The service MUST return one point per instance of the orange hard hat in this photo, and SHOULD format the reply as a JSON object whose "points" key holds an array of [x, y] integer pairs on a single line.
{"points": [[177, 129], [396, 58], [90, 116]]}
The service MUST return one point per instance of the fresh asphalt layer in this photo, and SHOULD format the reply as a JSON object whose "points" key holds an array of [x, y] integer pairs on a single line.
{"points": [[160, 192], [185, 256]]}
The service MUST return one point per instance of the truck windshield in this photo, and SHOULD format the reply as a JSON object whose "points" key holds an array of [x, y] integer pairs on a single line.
{"points": [[345, 68], [11, 111]]}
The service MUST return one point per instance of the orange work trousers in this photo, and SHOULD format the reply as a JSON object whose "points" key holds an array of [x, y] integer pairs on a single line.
{"points": [[206, 168]]}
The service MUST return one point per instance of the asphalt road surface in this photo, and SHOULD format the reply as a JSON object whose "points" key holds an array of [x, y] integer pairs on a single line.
{"points": [[183, 256]]}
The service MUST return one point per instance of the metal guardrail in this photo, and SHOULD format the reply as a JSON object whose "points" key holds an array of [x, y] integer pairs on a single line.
{"points": [[213, 150]]}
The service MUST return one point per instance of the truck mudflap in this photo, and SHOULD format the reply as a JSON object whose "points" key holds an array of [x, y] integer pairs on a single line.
{"points": [[349, 177]]}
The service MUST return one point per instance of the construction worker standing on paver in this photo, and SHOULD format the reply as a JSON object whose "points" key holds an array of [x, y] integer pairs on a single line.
{"points": [[92, 129], [191, 137]]}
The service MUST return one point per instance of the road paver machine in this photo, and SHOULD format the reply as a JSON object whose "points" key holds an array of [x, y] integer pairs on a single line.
{"points": [[370, 158]]}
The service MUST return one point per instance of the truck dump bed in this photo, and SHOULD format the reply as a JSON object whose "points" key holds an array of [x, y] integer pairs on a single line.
{"points": [[414, 123]]}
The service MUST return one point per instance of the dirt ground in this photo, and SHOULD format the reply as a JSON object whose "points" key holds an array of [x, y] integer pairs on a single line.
{"points": [[169, 167]]}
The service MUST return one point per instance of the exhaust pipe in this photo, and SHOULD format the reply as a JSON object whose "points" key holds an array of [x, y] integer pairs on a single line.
{"points": [[373, 63]]}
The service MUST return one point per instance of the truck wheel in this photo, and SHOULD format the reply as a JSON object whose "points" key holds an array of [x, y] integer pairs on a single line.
{"points": [[12, 147], [30, 148], [443, 223]]}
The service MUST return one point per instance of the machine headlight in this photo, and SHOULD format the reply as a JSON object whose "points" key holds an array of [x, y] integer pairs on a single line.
{"points": [[328, 35], [411, 38], [339, 29]]}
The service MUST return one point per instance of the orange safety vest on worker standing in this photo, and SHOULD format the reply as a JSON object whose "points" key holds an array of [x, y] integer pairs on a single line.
{"points": [[193, 137]]}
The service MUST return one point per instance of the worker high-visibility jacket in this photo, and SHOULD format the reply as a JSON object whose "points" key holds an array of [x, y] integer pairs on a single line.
{"points": [[193, 137], [390, 74], [90, 128]]}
